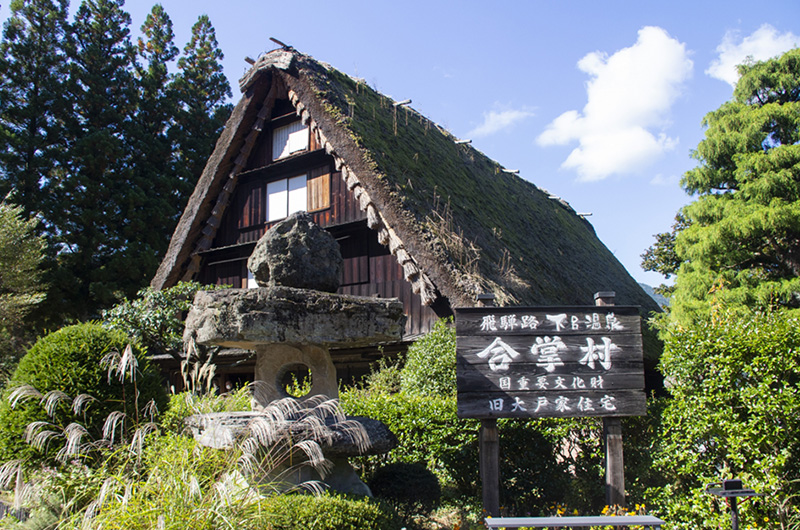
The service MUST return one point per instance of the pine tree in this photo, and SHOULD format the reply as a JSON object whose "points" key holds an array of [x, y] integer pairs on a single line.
{"points": [[153, 168], [203, 91], [32, 71], [96, 199], [739, 241]]}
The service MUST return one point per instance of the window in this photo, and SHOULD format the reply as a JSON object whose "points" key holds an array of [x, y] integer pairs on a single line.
{"points": [[251, 281], [289, 139], [285, 197]]}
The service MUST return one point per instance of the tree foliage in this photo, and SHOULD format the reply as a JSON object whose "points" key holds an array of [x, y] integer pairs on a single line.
{"points": [[734, 413], [102, 142], [203, 92], [32, 76], [743, 229], [21, 288]]}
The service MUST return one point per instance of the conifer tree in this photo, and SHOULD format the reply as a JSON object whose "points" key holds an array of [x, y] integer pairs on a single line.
{"points": [[738, 242], [21, 288], [97, 198], [203, 91], [32, 70], [153, 168]]}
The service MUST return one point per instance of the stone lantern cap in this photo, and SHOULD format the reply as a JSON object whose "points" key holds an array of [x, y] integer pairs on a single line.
{"points": [[246, 318]]}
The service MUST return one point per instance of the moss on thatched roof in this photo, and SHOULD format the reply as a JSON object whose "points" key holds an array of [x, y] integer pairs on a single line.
{"points": [[492, 230]]}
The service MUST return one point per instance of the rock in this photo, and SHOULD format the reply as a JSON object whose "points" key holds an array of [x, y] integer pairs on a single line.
{"points": [[220, 429], [248, 318], [297, 252]]}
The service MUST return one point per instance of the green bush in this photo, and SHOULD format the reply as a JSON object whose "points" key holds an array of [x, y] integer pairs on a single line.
{"points": [[154, 320], [70, 361], [734, 412], [409, 486], [326, 512], [426, 428], [430, 368], [429, 432]]}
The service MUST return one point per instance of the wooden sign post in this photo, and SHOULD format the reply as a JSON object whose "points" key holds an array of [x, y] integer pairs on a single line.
{"points": [[548, 362], [489, 450], [612, 435]]}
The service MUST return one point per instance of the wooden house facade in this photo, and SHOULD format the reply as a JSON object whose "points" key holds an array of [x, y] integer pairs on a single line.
{"points": [[418, 215]]}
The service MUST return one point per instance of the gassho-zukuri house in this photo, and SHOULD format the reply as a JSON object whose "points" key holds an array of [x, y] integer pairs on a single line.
{"points": [[418, 214]]}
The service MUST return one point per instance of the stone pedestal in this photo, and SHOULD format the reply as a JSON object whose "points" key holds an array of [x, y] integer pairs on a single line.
{"points": [[274, 361]]}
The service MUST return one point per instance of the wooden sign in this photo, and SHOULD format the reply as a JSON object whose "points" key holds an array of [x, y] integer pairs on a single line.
{"points": [[549, 362]]}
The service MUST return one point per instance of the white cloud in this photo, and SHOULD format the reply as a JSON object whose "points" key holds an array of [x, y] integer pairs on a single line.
{"points": [[496, 121], [765, 43], [666, 180], [629, 95]]}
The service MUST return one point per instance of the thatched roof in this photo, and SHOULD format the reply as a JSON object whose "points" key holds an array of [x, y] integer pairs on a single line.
{"points": [[458, 222]]}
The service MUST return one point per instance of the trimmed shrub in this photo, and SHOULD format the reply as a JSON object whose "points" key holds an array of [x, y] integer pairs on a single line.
{"points": [[69, 361], [430, 368], [326, 512], [410, 486]]}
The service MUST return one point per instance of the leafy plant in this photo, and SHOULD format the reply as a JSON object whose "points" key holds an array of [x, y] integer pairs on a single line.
{"points": [[154, 320], [734, 413], [430, 366]]}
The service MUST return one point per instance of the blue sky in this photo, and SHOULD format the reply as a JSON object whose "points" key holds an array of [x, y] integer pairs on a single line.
{"points": [[599, 102]]}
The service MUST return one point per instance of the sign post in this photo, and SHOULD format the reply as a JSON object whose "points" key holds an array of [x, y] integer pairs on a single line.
{"points": [[489, 450], [548, 362], [612, 435]]}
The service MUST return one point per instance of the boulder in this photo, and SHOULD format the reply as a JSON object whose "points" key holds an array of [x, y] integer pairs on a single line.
{"points": [[297, 252]]}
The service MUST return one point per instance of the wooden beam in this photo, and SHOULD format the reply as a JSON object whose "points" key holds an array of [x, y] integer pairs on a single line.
{"points": [[489, 449], [489, 452], [612, 434], [279, 43]]}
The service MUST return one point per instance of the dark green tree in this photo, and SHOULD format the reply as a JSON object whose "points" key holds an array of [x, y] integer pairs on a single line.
{"points": [[21, 288], [96, 199], [152, 169], [739, 241], [32, 71], [203, 92]]}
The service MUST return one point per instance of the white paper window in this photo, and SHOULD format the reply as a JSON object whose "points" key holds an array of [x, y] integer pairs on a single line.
{"points": [[251, 280], [286, 196], [298, 201], [289, 139], [277, 200]]}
